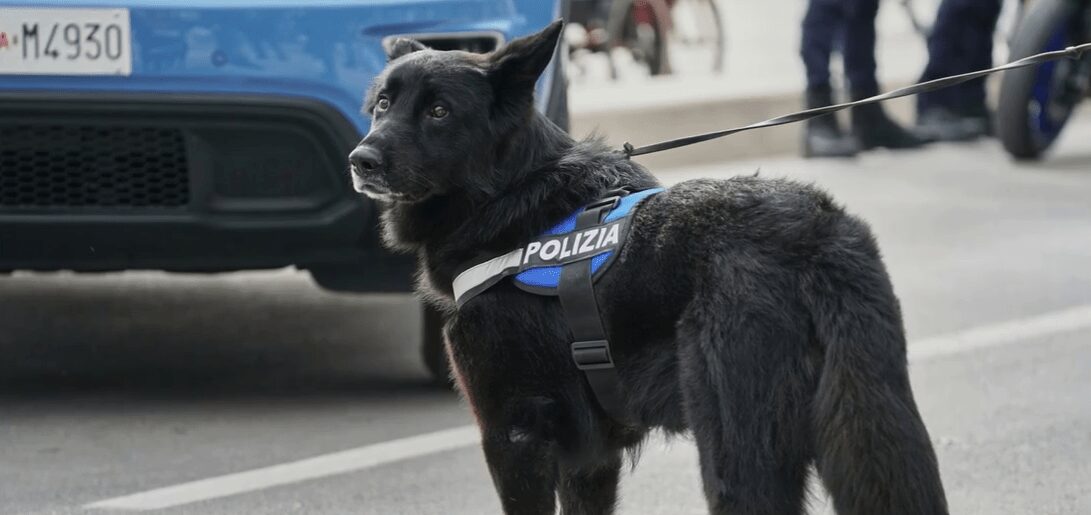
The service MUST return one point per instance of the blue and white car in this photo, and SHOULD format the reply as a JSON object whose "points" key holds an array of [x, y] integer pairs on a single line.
{"points": [[211, 135]]}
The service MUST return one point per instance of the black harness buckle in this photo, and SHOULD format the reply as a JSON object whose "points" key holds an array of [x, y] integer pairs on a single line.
{"points": [[609, 200], [592, 355], [608, 203]]}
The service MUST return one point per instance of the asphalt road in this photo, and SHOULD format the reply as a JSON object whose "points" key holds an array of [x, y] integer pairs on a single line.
{"points": [[127, 384]]}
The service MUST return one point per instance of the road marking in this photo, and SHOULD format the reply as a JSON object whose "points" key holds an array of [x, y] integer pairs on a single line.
{"points": [[325, 465], [1002, 333], [369, 456]]}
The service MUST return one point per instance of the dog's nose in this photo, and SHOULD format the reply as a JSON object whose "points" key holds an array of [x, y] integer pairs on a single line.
{"points": [[366, 159]]}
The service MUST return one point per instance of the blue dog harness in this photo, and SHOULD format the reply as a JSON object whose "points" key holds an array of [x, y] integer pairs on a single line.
{"points": [[566, 261], [537, 266]]}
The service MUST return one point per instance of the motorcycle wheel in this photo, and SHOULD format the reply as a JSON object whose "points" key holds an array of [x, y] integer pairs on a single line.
{"points": [[1036, 102]]}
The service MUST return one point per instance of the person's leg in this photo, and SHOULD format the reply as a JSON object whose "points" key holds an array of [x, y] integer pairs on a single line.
{"points": [[960, 42], [946, 55], [979, 50], [820, 26], [822, 136], [859, 46], [873, 128]]}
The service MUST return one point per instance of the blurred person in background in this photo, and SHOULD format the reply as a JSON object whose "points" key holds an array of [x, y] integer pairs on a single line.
{"points": [[849, 26], [961, 41]]}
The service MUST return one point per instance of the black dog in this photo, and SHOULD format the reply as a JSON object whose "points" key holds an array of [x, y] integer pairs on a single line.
{"points": [[754, 313]]}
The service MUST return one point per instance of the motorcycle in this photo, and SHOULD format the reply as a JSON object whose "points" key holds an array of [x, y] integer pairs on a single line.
{"points": [[1036, 102]]}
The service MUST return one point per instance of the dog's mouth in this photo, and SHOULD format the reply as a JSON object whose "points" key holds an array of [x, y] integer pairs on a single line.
{"points": [[368, 187], [376, 190]]}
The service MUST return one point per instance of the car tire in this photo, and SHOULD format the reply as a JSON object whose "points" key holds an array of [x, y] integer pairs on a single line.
{"points": [[379, 273], [433, 349]]}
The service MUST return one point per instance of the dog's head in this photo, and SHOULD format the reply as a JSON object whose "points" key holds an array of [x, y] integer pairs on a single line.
{"points": [[440, 119]]}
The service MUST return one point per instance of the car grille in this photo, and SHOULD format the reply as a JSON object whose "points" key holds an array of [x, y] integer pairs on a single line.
{"points": [[92, 166]]}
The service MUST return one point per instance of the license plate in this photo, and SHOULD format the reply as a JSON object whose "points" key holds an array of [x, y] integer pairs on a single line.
{"points": [[65, 42]]}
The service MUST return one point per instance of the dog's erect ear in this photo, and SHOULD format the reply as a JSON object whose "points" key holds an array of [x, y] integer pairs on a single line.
{"points": [[402, 46], [519, 63]]}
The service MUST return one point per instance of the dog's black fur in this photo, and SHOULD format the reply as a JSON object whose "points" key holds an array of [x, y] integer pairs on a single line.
{"points": [[754, 313]]}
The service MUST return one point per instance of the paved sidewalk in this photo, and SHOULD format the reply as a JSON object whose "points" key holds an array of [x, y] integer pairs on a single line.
{"points": [[762, 59], [763, 78]]}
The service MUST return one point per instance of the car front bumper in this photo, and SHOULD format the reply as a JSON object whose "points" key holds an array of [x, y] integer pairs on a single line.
{"points": [[185, 182]]}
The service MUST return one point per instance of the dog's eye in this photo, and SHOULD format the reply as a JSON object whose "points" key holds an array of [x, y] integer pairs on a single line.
{"points": [[383, 104], [438, 112]]}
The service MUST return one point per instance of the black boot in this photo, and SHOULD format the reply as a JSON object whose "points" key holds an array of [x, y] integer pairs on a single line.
{"points": [[873, 129], [942, 124], [822, 136]]}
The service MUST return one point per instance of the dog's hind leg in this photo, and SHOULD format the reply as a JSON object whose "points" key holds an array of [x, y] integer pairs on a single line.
{"points": [[747, 384], [874, 454], [589, 490]]}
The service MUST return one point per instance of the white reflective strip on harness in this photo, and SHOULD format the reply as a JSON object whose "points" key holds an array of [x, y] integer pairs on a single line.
{"points": [[480, 274]]}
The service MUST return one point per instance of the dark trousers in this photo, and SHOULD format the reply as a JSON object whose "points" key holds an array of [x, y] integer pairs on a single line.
{"points": [[961, 41], [845, 25]]}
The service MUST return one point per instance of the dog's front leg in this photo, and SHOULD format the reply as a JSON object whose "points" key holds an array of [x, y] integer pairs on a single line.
{"points": [[590, 491], [524, 472]]}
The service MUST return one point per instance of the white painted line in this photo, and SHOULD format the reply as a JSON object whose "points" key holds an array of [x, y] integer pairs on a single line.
{"points": [[1003, 333], [286, 473], [361, 458]]}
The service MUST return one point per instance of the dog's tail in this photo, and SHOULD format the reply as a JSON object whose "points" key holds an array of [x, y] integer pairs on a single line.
{"points": [[873, 451]]}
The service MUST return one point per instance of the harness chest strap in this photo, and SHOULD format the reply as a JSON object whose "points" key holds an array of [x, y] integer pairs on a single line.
{"points": [[590, 348], [566, 262]]}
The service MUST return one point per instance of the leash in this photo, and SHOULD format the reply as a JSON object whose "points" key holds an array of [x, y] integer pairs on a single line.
{"points": [[1072, 52]]}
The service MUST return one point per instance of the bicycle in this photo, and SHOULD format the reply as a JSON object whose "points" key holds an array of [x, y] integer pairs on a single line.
{"points": [[662, 36]]}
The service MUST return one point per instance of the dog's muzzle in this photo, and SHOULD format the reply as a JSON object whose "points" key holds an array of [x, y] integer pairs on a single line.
{"points": [[367, 169]]}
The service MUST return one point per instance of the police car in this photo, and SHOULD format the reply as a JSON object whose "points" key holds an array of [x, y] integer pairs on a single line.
{"points": [[212, 135]]}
